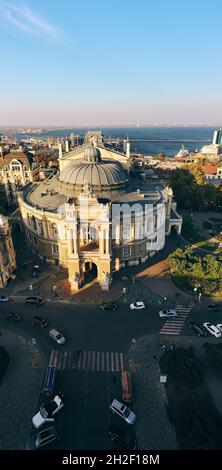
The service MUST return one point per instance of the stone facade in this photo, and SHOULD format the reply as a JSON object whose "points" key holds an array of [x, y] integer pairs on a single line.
{"points": [[7, 254], [74, 220], [17, 169]]}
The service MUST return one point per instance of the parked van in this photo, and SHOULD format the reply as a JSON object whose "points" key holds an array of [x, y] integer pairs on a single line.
{"points": [[49, 381], [126, 387]]}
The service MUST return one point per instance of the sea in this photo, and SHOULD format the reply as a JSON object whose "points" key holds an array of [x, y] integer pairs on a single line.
{"points": [[145, 140]]}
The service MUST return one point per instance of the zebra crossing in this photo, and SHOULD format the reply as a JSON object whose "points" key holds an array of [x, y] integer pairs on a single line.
{"points": [[97, 361], [174, 325]]}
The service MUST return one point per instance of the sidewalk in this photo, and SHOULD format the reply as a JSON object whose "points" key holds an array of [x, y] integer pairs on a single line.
{"points": [[18, 389], [158, 279], [153, 429]]}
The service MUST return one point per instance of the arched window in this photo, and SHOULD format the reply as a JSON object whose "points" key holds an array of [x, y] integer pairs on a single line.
{"points": [[15, 165]]}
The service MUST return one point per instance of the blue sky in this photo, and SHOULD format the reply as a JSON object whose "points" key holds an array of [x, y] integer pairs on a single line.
{"points": [[106, 62]]}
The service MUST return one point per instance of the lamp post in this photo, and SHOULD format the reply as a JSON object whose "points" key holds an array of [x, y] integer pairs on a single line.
{"points": [[199, 294]]}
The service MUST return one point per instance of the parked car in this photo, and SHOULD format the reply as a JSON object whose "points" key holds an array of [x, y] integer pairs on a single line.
{"points": [[111, 306], [47, 411], [122, 440], [3, 298], [200, 330], [219, 326], [35, 271], [213, 330], [56, 336], [137, 305], [35, 300], [214, 307], [39, 321], [123, 411], [168, 312], [13, 316], [42, 438]]}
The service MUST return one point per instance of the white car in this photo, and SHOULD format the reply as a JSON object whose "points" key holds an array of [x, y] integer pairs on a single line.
{"points": [[219, 326], [137, 306], [123, 411], [3, 298], [56, 336], [168, 312], [47, 411], [213, 330]]}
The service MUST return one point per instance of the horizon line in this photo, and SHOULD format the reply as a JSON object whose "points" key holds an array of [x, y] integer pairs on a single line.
{"points": [[117, 125]]}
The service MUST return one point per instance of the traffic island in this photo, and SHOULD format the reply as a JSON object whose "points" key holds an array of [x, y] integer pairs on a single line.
{"points": [[191, 408]]}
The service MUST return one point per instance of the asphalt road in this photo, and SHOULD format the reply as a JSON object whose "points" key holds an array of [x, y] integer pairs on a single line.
{"points": [[91, 379]]}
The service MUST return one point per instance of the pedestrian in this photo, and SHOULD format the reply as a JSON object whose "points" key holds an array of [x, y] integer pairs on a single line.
{"points": [[114, 379], [154, 357]]}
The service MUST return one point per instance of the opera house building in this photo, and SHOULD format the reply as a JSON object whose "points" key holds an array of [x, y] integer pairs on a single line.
{"points": [[96, 214]]}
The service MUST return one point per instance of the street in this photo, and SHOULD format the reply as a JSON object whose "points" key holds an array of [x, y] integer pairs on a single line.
{"points": [[92, 378]]}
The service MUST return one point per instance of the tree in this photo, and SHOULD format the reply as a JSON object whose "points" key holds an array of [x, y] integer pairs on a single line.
{"points": [[197, 171], [191, 191]]}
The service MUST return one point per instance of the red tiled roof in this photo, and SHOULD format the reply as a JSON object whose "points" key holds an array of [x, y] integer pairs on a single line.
{"points": [[210, 169]]}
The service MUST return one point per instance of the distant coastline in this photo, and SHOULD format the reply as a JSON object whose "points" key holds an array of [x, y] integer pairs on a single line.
{"points": [[147, 140]]}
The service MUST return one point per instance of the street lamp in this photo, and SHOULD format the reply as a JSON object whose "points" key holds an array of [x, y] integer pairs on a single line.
{"points": [[199, 294]]}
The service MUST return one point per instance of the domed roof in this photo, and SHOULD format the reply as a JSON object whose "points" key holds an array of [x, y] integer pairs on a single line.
{"points": [[99, 175]]}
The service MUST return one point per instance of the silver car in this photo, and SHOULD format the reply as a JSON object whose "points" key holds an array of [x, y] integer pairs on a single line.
{"points": [[168, 312], [56, 336], [213, 330], [123, 411]]}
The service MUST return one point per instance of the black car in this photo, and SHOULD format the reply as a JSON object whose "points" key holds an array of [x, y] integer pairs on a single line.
{"points": [[42, 438], [13, 316], [113, 306], [214, 307], [35, 300], [121, 439], [200, 330], [39, 321]]}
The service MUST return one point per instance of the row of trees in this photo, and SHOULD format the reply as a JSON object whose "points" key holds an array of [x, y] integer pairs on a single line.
{"points": [[191, 191]]}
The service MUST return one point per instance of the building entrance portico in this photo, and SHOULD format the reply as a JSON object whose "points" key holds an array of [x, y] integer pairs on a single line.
{"points": [[90, 272]]}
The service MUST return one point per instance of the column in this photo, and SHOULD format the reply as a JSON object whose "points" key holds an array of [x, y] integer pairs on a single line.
{"points": [[75, 241], [132, 235], [70, 241], [45, 229], [81, 234], [118, 234], [102, 241], [38, 226], [107, 241]]}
